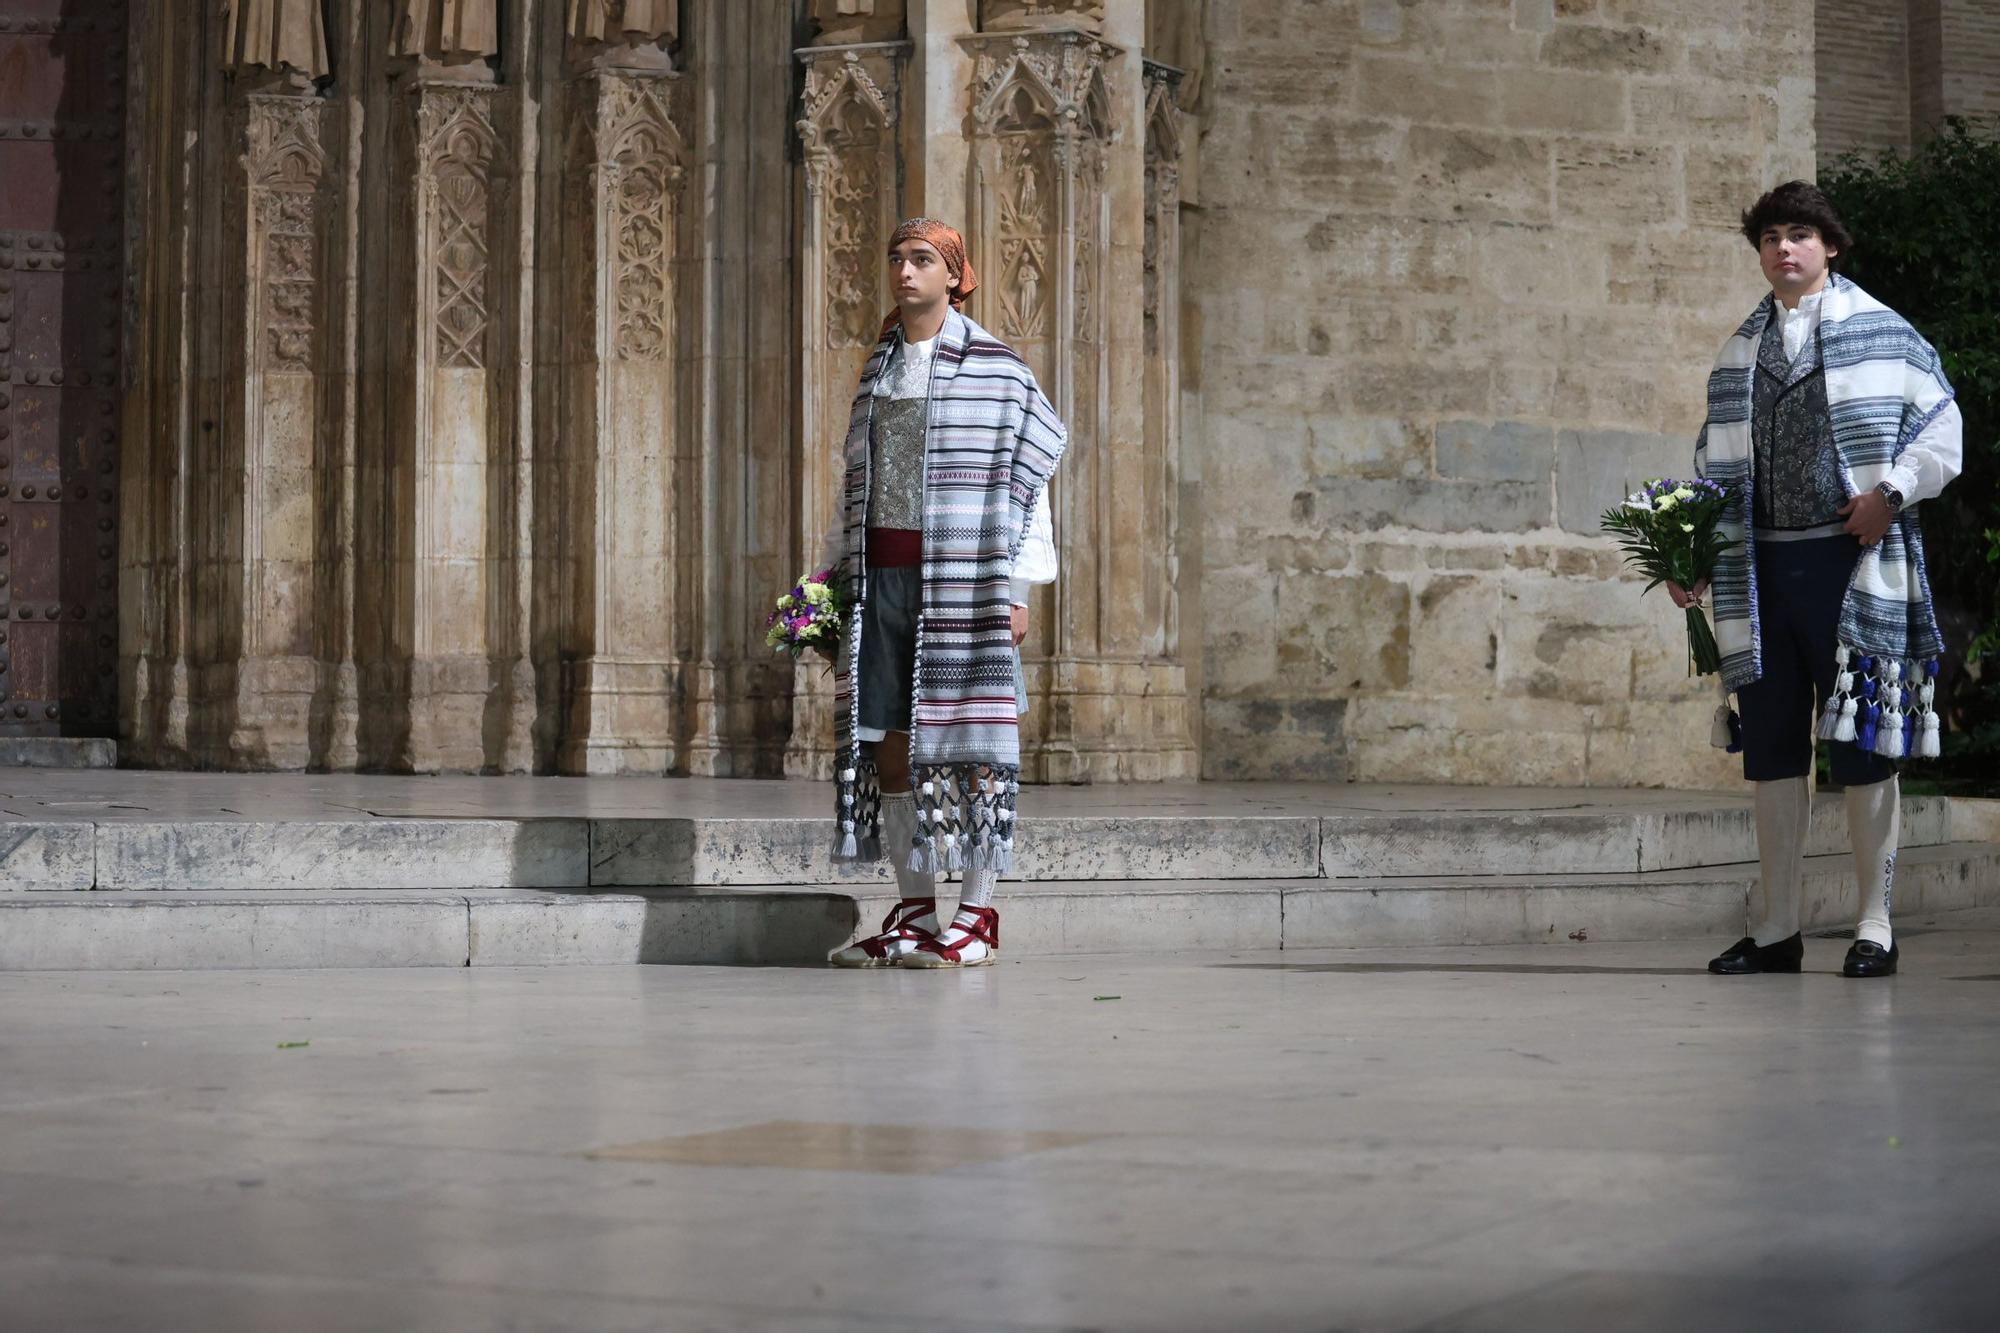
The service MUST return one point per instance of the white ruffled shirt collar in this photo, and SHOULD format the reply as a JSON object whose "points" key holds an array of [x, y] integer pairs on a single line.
{"points": [[1798, 324]]}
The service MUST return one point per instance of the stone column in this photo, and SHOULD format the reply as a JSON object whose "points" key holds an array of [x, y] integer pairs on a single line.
{"points": [[444, 690], [1163, 347], [848, 130], [173, 73], [741, 335], [1057, 213], [253, 511], [625, 559]]}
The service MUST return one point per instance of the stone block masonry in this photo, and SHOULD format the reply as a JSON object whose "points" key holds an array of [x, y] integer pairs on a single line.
{"points": [[1461, 271], [1889, 71]]}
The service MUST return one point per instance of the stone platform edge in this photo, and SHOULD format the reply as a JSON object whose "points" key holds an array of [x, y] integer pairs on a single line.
{"points": [[721, 926], [569, 853]]}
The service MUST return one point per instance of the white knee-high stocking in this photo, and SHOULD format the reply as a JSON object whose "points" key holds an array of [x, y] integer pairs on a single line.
{"points": [[1874, 822], [899, 830], [1784, 815], [977, 888]]}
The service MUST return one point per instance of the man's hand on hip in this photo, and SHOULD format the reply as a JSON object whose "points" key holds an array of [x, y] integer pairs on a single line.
{"points": [[1868, 517]]}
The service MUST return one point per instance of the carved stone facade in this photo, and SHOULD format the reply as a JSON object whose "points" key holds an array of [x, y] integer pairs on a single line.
{"points": [[1165, 150], [443, 681], [1054, 158], [627, 520], [487, 366], [252, 514], [848, 127]]}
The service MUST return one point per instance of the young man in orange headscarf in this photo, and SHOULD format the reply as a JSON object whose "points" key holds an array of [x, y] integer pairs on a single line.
{"points": [[944, 527]]}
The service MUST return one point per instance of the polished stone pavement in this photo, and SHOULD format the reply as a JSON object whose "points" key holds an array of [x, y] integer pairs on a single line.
{"points": [[1566, 1136]]}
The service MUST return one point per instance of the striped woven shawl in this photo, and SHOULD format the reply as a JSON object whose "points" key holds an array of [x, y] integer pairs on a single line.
{"points": [[1884, 385], [991, 445]]}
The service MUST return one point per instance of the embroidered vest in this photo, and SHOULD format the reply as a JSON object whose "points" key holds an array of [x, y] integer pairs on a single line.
{"points": [[1791, 430]]}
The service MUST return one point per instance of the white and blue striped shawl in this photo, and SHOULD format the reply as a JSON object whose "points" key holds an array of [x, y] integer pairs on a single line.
{"points": [[1884, 385], [992, 443]]}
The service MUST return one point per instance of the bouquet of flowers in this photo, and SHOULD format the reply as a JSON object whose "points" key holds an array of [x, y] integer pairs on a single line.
{"points": [[811, 616], [1668, 530]]}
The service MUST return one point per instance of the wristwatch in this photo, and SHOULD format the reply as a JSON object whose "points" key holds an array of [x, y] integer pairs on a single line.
{"points": [[1892, 495]]}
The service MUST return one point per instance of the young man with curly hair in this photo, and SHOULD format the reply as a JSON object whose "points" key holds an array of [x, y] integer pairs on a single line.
{"points": [[1832, 419]]}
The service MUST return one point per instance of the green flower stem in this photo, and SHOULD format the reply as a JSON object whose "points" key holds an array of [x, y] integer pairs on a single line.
{"points": [[1704, 655]]}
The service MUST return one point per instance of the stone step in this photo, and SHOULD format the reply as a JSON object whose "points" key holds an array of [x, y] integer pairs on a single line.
{"points": [[1276, 839], [403, 928], [58, 752]]}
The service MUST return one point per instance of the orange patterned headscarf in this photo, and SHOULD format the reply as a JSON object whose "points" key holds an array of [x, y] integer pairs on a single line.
{"points": [[950, 247]]}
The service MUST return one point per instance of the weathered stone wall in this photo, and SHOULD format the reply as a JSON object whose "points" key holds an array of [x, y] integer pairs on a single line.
{"points": [[1863, 66], [1889, 72], [1455, 277], [1970, 55]]}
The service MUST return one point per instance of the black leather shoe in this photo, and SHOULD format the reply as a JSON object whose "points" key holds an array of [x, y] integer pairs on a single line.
{"points": [[1866, 958], [1746, 956]]}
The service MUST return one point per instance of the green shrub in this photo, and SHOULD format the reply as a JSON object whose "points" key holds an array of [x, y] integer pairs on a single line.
{"points": [[1924, 225]]}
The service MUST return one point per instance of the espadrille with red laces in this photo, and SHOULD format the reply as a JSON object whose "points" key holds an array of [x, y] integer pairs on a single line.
{"points": [[971, 940], [910, 923]]}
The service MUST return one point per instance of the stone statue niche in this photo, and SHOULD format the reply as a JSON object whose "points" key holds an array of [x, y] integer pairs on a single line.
{"points": [[856, 22], [623, 34], [448, 32], [1043, 15], [282, 42]]}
